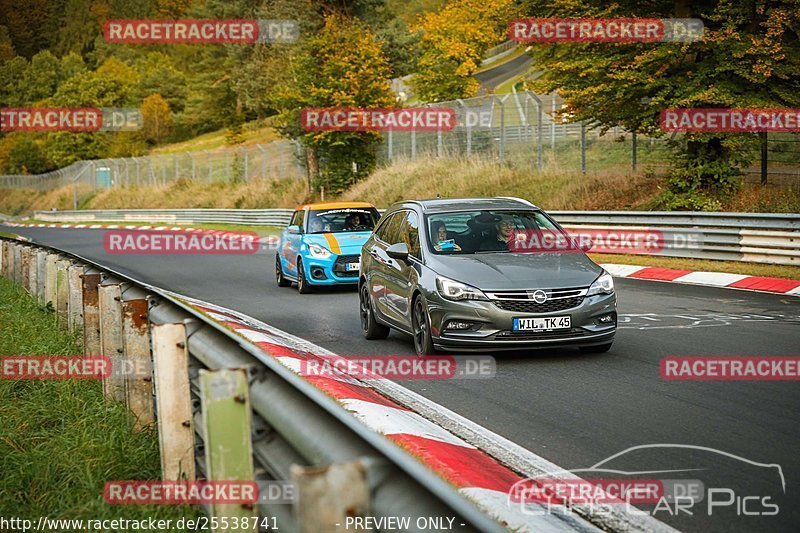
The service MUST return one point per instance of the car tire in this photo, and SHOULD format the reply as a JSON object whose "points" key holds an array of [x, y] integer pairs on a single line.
{"points": [[302, 283], [421, 329], [370, 327], [600, 348], [279, 277]]}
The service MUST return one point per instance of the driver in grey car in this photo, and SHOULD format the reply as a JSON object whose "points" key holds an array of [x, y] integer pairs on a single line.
{"points": [[501, 240]]}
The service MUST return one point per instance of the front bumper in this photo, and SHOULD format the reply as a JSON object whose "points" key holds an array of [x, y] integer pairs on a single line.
{"points": [[330, 271], [493, 327]]}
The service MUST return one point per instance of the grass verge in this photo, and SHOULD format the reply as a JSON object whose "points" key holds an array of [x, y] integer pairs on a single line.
{"points": [[60, 441], [706, 265]]}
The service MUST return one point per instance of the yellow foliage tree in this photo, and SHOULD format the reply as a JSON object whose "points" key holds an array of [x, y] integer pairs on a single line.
{"points": [[453, 42]]}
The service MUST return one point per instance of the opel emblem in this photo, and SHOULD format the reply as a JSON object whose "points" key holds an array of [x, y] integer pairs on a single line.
{"points": [[538, 296]]}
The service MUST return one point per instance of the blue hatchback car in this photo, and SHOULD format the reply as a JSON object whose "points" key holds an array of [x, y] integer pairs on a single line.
{"points": [[322, 244]]}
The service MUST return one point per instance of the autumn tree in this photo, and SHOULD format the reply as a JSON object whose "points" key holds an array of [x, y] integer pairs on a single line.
{"points": [[343, 65], [157, 120], [749, 56], [453, 42]]}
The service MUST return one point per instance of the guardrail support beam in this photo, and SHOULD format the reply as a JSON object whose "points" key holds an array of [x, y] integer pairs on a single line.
{"points": [[75, 302], [138, 364], [62, 291], [173, 402], [328, 495], [111, 340], [227, 428]]}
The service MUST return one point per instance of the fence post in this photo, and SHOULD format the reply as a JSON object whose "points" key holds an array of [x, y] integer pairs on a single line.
{"points": [[502, 130], [62, 291], [51, 272], [91, 313], [25, 274], [391, 146], [583, 147], [227, 429], [327, 495], [111, 342], [553, 121], [173, 402], [246, 166], [413, 145], [41, 273], [138, 365], [633, 151], [75, 302]]}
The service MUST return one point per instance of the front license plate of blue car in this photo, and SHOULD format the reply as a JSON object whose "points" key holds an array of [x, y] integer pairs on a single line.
{"points": [[352, 266], [546, 323]]}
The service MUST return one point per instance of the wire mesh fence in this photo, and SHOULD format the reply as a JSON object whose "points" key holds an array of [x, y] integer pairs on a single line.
{"points": [[523, 128], [520, 128], [275, 160]]}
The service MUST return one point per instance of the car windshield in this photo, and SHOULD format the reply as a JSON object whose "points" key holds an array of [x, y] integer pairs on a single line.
{"points": [[348, 219], [487, 231]]}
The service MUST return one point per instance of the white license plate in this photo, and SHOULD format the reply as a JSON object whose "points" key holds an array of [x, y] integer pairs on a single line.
{"points": [[542, 323], [352, 266]]}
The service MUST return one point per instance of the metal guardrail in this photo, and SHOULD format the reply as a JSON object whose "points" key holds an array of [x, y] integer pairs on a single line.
{"points": [[289, 425], [246, 217], [750, 237]]}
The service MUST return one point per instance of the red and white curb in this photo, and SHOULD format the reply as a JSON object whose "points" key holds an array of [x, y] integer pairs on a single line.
{"points": [[710, 279], [270, 240], [474, 473]]}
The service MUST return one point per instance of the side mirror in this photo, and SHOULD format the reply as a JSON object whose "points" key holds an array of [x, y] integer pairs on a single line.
{"points": [[293, 229], [398, 251]]}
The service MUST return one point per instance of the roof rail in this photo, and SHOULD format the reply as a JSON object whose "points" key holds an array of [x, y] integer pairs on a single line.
{"points": [[517, 199]]}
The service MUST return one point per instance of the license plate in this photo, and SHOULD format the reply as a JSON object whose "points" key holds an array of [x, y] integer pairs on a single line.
{"points": [[542, 323], [352, 266]]}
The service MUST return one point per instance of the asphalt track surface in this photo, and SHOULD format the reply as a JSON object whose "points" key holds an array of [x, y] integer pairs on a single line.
{"points": [[571, 408], [494, 77]]}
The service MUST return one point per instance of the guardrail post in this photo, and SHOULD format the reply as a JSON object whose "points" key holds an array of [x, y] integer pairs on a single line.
{"points": [[32, 271], [173, 402], [91, 314], [111, 344], [227, 421], [327, 495], [17, 264], [75, 301], [138, 365], [41, 274], [25, 267], [51, 271], [62, 291], [4, 258]]}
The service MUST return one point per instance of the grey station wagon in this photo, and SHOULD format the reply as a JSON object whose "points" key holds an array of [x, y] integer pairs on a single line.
{"points": [[445, 272]]}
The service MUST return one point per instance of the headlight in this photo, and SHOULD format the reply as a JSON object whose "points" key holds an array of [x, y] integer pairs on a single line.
{"points": [[318, 251], [603, 285], [454, 290]]}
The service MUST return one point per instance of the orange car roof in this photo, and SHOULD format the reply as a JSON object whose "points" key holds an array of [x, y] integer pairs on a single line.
{"points": [[333, 205]]}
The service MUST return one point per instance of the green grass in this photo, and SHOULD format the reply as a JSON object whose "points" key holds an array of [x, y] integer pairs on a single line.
{"points": [[253, 133], [60, 441]]}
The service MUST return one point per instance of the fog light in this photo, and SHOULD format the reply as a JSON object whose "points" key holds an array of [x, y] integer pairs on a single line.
{"points": [[606, 319], [318, 273], [458, 325]]}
